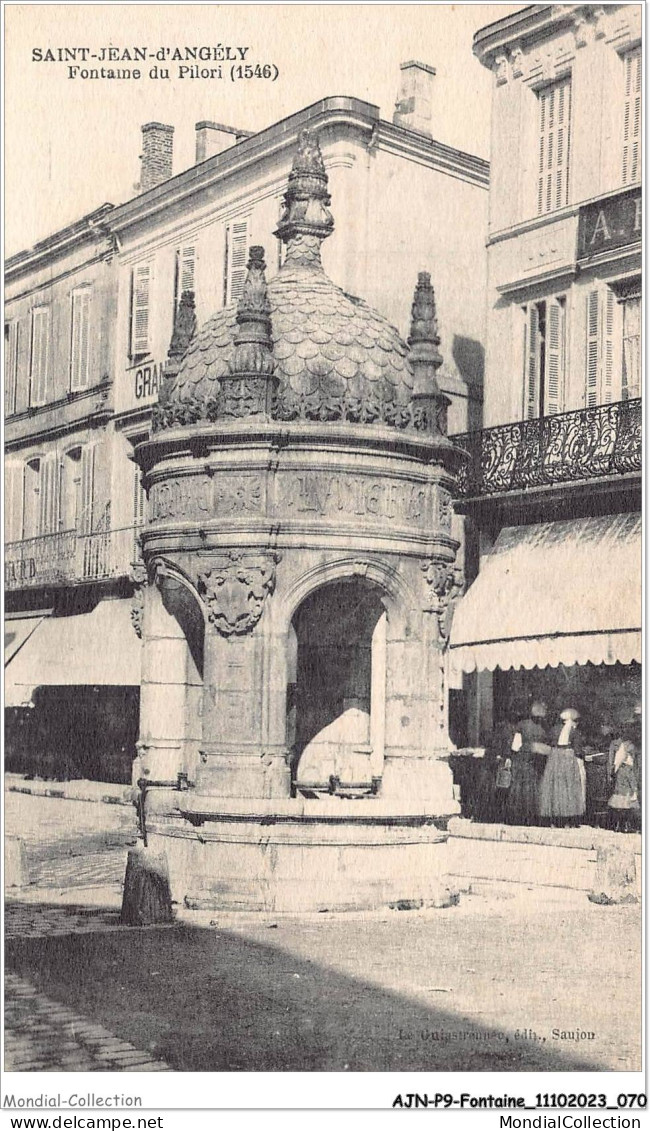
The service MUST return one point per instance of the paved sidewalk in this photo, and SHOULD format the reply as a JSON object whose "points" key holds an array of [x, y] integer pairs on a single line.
{"points": [[77, 790], [41, 1035]]}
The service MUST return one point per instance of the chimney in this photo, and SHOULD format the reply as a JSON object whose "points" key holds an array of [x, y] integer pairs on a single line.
{"points": [[413, 106], [157, 155], [213, 138]]}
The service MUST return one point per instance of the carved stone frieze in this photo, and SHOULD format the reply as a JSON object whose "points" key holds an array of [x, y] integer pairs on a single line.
{"points": [[501, 69], [445, 584], [235, 589], [517, 61], [139, 579]]}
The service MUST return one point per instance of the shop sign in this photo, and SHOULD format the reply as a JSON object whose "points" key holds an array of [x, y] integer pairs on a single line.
{"points": [[612, 222], [20, 572], [146, 380]]}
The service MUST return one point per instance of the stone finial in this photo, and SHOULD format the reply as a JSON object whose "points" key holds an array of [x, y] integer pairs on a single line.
{"points": [[306, 219], [248, 389], [430, 405], [182, 334]]}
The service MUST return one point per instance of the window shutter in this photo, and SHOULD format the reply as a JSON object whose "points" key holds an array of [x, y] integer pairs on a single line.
{"points": [[80, 339], [632, 118], [554, 377], [87, 490], [281, 244], [183, 273], [593, 351], [187, 259], [631, 348], [49, 495], [607, 377], [141, 281], [40, 360], [236, 250], [13, 502], [11, 366], [554, 128], [139, 499], [532, 364]]}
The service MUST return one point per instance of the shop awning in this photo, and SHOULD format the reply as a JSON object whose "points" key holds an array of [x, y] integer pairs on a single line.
{"points": [[92, 649], [19, 628], [554, 593]]}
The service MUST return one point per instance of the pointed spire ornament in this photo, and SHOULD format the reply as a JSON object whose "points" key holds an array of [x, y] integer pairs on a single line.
{"points": [[249, 388], [429, 404], [306, 219], [182, 334]]}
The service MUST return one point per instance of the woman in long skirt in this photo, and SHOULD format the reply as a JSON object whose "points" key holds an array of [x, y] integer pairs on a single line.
{"points": [[562, 793], [530, 741], [624, 804]]}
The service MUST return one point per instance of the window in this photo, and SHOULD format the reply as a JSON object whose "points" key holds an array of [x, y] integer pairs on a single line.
{"points": [[50, 494], [31, 511], [11, 366], [631, 360], [544, 357], [600, 376], [40, 355], [13, 502], [80, 338], [554, 127], [184, 273], [140, 292], [87, 505], [632, 117], [234, 272], [70, 489]]}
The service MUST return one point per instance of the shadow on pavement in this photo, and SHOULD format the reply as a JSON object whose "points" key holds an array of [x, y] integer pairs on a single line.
{"points": [[216, 1000]]}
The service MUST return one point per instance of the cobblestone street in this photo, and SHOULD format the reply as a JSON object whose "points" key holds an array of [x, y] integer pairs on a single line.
{"points": [[44, 1036], [225, 992]]}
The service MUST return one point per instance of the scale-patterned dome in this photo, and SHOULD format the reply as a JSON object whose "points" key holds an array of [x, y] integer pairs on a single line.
{"points": [[335, 357], [316, 352]]}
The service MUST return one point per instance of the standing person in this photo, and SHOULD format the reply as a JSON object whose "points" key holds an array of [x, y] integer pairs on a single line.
{"points": [[624, 765], [530, 743], [562, 794], [624, 802]]}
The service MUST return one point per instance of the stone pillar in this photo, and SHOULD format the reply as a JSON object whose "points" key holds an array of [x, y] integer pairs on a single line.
{"points": [[163, 692]]}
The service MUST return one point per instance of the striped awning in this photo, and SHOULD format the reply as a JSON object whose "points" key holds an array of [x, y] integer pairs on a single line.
{"points": [[554, 593], [97, 648]]}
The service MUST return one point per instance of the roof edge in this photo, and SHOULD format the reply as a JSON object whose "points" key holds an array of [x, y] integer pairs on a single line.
{"points": [[76, 232], [528, 21]]}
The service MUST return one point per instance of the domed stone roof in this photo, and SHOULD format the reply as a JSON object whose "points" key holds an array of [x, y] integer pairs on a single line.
{"points": [[329, 356], [335, 357]]}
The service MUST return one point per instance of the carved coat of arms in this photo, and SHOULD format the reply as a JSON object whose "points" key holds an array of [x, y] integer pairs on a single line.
{"points": [[445, 584], [235, 589]]}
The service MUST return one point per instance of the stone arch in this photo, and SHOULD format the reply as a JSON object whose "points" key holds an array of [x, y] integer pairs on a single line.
{"points": [[397, 594], [182, 600], [337, 684], [397, 627]]}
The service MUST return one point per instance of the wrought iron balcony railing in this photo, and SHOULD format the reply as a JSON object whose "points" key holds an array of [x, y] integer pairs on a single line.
{"points": [[67, 557], [586, 444]]}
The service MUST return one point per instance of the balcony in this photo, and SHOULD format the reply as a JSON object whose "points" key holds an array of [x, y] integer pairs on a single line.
{"points": [[69, 558], [572, 447]]}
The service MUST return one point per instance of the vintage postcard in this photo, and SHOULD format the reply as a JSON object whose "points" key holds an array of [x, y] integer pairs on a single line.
{"points": [[322, 561]]}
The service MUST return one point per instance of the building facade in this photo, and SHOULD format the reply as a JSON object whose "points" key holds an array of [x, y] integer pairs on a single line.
{"points": [[73, 675], [552, 485], [89, 321]]}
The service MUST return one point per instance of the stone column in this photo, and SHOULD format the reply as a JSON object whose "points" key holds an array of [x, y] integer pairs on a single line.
{"points": [[163, 691]]}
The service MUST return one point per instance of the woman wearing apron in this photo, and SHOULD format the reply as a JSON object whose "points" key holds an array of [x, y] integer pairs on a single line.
{"points": [[562, 794]]}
